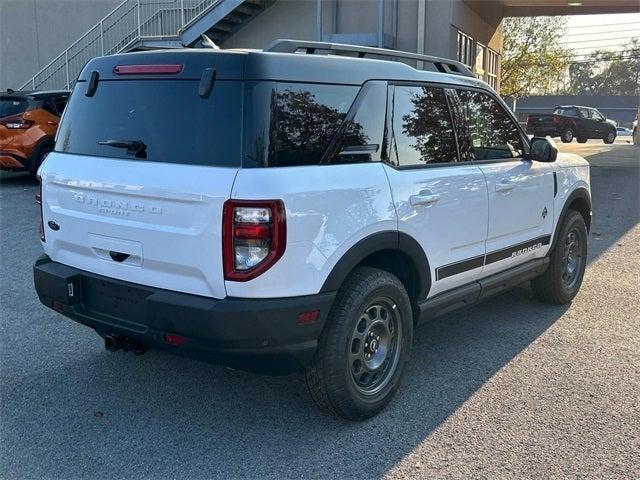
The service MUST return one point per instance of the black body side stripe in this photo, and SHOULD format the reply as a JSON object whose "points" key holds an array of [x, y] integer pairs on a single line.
{"points": [[477, 262], [459, 267], [517, 249]]}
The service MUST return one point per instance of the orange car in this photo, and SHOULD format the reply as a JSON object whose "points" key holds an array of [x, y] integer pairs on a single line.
{"points": [[28, 125]]}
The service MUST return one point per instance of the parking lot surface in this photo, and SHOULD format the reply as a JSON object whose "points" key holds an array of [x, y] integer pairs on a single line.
{"points": [[511, 388]]}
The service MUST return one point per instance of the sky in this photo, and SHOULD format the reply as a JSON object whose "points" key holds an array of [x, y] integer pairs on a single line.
{"points": [[586, 33]]}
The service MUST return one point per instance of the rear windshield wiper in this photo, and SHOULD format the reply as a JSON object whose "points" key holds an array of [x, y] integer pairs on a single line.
{"points": [[134, 147]]}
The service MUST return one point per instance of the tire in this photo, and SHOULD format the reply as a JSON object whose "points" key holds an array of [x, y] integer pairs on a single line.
{"points": [[341, 379], [582, 140], [38, 158], [560, 283], [610, 138], [567, 135]]}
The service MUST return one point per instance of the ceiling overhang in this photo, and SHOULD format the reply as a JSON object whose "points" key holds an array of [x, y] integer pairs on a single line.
{"points": [[534, 8]]}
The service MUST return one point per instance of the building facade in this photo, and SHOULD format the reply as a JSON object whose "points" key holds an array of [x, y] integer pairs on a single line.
{"points": [[45, 43]]}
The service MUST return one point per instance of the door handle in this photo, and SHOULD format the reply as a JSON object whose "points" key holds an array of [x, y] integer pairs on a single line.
{"points": [[424, 198], [504, 186], [52, 123]]}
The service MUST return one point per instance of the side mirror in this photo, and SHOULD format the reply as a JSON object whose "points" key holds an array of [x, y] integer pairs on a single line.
{"points": [[543, 150]]}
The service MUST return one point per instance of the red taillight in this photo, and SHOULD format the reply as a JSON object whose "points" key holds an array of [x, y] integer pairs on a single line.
{"points": [[147, 69], [39, 203], [253, 237], [175, 339], [16, 122]]}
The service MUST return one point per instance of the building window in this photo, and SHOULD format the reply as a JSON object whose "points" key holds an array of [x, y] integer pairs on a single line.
{"points": [[491, 68], [466, 49]]}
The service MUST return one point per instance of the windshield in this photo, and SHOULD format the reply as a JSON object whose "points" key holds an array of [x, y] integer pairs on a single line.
{"points": [[168, 117]]}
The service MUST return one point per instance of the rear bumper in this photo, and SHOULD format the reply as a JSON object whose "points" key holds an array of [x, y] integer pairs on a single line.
{"points": [[261, 335]]}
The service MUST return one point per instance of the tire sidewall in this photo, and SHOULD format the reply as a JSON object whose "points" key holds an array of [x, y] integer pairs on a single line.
{"points": [[606, 138], [38, 157], [564, 135], [371, 404], [572, 220]]}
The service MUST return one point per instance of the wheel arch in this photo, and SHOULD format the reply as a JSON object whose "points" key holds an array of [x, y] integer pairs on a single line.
{"points": [[578, 200], [46, 141], [393, 251]]}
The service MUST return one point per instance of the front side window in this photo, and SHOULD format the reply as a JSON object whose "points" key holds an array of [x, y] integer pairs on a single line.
{"points": [[493, 133], [421, 128]]}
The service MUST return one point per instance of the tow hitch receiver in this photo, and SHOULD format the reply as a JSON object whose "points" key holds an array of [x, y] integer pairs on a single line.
{"points": [[113, 343]]}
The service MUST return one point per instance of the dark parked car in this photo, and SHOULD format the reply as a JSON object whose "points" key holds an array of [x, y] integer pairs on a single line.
{"points": [[569, 122]]}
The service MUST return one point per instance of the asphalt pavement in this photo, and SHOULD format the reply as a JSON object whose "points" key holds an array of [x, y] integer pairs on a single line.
{"points": [[511, 388]]}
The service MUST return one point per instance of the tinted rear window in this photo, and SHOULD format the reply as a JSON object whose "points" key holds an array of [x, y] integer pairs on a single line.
{"points": [[13, 106], [168, 116]]}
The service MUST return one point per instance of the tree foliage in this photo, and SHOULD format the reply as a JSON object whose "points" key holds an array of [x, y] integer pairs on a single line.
{"points": [[608, 73], [534, 61]]}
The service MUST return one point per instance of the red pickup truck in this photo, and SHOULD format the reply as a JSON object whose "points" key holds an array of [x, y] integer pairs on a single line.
{"points": [[569, 122]]}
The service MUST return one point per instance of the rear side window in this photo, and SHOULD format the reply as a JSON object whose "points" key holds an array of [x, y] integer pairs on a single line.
{"points": [[302, 121], [169, 117], [493, 133], [422, 130], [361, 137], [569, 112]]}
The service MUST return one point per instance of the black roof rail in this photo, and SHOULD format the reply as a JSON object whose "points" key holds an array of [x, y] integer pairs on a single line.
{"points": [[443, 65]]}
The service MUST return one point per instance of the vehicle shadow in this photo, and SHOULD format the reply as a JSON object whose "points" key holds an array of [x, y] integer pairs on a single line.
{"points": [[118, 415], [615, 192]]}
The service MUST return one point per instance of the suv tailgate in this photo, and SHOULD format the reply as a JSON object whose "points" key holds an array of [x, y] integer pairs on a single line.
{"points": [[152, 214]]}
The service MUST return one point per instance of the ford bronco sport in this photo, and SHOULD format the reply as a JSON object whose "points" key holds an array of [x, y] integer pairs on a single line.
{"points": [[298, 208]]}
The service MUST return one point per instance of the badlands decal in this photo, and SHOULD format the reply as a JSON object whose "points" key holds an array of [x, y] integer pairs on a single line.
{"points": [[492, 257]]}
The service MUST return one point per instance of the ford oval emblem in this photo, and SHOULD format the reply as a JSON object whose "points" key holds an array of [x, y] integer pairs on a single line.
{"points": [[53, 225]]}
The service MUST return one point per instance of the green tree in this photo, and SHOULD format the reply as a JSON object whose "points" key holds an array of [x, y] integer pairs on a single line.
{"points": [[608, 73], [533, 62]]}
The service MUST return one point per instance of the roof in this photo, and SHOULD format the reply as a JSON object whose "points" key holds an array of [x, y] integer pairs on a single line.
{"points": [[34, 93], [276, 66]]}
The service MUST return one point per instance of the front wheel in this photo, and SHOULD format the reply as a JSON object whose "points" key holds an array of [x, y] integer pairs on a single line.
{"points": [[609, 137], [561, 281], [363, 350]]}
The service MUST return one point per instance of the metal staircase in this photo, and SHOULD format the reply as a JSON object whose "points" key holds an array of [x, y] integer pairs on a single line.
{"points": [[140, 24]]}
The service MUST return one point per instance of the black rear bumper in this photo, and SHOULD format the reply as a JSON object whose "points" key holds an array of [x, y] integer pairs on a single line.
{"points": [[262, 335]]}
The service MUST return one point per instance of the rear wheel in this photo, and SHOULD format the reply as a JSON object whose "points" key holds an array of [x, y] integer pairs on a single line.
{"points": [[609, 137], [38, 158], [567, 135], [362, 352], [563, 278], [582, 140]]}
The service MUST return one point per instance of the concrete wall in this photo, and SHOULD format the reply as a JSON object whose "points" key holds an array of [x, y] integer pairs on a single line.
{"points": [[33, 32], [442, 19]]}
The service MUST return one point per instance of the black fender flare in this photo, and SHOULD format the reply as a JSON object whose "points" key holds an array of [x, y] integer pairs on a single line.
{"points": [[580, 192], [384, 240]]}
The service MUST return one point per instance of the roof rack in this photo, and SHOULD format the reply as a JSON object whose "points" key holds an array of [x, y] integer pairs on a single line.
{"points": [[443, 65]]}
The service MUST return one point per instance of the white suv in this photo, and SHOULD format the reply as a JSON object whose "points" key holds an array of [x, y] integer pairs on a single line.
{"points": [[298, 208]]}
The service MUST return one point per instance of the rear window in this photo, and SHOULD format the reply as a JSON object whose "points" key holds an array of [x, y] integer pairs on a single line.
{"points": [[13, 106], [168, 117]]}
